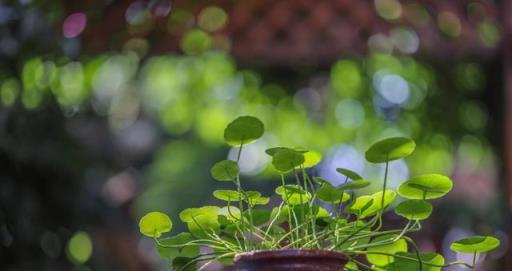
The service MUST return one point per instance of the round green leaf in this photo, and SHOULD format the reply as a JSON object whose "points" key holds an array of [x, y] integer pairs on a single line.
{"points": [[430, 186], [227, 195], [189, 214], [243, 130], [329, 193], [414, 209], [286, 159], [349, 173], [226, 170], [478, 244], [356, 184], [320, 181], [390, 149], [154, 224], [365, 206], [293, 194], [274, 150], [231, 213], [382, 260], [202, 225]]}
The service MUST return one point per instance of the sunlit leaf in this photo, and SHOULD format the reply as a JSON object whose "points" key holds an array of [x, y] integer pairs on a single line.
{"points": [[329, 193], [414, 209], [286, 159], [226, 170], [390, 149], [243, 130], [349, 173], [227, 195], [429, 186], [395, 247], [202, 225], [231, 213], [478, 244], [293, 194], [365, 206], [311, 159], [188, 214], [154, 224]]}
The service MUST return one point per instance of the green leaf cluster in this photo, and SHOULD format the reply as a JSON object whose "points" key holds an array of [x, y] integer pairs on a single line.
{"points": [[310, 212]]}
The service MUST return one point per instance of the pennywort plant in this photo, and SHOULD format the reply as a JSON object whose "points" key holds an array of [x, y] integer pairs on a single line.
{"points": [[311, 213]]}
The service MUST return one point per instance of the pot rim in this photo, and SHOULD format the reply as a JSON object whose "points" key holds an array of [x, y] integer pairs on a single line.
{"points": [[267, 254]]}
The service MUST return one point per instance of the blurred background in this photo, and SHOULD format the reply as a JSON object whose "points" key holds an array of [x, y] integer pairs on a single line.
{"points": [[113, 108]]}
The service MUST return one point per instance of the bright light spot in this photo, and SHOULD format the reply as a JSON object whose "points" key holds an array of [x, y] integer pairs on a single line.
{"points": [[74, 24], [344, 156], [398, 172], [136, 13], [392, 87], [119, 189], [79, 248], [349, 113], [406, 40], [380, 43], [212, 18], [489, 34], [388, 9], [449, 24], [253, 159], [196, 42], [346, 78], [9, 91]]}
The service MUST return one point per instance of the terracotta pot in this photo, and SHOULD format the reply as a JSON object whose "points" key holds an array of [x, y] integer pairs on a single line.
{"points": [[290, 259]]}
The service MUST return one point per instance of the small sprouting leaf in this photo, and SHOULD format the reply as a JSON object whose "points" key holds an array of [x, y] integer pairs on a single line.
{"points": [[415, 209], [243, 130], [382, 260], [311, 159], [227, 195], [329, 193], [286, 159], [390, 149], [349, 173], [293, 194], [404, 264], [154, 224], [356, 184], [430, 186], [226, 170], [177, 246], [478, 244]]}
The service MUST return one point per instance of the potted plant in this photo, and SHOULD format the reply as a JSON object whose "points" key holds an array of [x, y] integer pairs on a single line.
{"points": [[315, 225]]}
